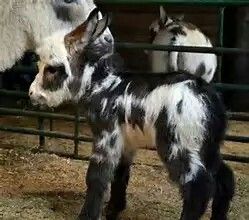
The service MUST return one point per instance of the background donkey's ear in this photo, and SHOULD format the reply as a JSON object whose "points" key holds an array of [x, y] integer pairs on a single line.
{"points": [[179, 17], [163, 15]]}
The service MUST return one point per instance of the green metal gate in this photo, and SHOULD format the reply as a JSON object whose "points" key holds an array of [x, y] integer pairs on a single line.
{"points": [[77, 119]]}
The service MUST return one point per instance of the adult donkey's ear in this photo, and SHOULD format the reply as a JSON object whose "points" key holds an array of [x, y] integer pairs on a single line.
{"points": [[87, 32]]}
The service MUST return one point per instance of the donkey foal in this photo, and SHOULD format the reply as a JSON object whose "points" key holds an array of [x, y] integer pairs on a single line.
{"points": [[178, 113]]}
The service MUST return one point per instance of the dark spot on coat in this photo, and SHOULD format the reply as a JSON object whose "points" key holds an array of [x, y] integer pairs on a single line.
{"points": [[191, 85], [113, 140], [173, 39], [207, 39], [137, 117], [201, 70], [179, 107], [210, 71], [62, 13], [166, 134], [178, 30]]}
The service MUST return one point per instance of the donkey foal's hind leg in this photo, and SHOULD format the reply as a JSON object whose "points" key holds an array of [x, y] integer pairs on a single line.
{"points": [[186, 169], [196, 195], [224, 192]]}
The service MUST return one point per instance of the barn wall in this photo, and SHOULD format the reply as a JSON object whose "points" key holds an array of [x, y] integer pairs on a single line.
{"points": [[131, 23]]}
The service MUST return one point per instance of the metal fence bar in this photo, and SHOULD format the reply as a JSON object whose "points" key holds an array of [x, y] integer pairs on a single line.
{"points": [[238, 116], [51, 134], [240, 139], [235, 158], [189, 49], [234, 87], [177, 2], [221, 33], [21, 112], [85, 138]]}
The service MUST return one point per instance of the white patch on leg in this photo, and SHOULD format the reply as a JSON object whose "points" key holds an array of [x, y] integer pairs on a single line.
{"points": [[175, 148], [194, 164]]}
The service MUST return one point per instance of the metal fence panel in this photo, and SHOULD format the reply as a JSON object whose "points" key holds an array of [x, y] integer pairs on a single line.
{"points": [[77, 119]]}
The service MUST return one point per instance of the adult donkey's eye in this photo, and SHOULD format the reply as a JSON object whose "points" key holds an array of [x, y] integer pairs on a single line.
{"points": [[51, 69], [70, 1], [55, 70]]}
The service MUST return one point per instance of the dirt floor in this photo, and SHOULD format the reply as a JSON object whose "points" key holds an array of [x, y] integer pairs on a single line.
{"points": [[44, 186]]}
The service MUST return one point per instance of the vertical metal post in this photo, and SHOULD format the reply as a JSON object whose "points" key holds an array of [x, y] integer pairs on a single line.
{"points": [[51, 124], [76, 131], [41, 128], [220, 41]]}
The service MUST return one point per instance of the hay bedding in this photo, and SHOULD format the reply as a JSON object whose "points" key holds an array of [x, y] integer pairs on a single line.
{"points": [[42, 186]]}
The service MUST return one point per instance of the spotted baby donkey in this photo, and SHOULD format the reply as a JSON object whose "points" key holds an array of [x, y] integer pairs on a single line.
{"points": [[178, 113]]}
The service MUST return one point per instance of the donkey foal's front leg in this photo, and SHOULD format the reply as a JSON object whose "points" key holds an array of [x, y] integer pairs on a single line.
{"points": [[99, 175]]}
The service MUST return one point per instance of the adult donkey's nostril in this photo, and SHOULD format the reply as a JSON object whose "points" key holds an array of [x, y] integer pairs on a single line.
{"points": [[41, 97], [30, 93]]}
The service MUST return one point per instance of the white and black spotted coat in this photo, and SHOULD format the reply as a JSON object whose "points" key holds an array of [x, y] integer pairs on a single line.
{"points": [[170, 31], [178, 113]]}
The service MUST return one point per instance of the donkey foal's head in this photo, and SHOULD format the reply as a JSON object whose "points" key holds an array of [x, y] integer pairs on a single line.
{"points": [[64, 66]]}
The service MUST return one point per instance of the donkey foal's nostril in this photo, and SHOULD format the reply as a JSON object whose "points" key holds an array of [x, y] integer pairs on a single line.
{"points": [[108, 39], [30, 93]]}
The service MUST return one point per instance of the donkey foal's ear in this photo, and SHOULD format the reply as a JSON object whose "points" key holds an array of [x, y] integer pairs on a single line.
{"points": [[90, 30], [80, 36], [101, 26]]}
